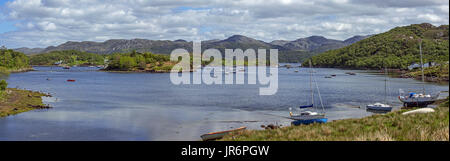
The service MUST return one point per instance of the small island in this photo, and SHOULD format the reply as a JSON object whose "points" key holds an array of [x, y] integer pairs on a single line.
{"points": [[139, 62]]}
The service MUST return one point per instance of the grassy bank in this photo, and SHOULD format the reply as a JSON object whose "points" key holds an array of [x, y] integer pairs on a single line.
{"points": [[14, 101], [382, 127]]}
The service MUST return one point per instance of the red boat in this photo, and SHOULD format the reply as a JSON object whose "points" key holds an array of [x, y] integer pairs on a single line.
{"points": [[71, 80]]}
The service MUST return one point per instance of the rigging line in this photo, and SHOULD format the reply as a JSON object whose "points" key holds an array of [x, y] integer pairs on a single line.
{"points": [[273, 115], [318, 92]]}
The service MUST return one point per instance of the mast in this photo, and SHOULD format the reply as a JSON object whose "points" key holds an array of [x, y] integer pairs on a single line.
{"points": [[385, 85], [421, 65], [310, 82], [385, 79]]}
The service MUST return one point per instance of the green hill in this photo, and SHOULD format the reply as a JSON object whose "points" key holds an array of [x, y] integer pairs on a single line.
{"points": [[397, 48]]}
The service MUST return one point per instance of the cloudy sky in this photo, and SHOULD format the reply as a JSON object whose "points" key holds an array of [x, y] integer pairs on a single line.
{"points": [[40, 23]]}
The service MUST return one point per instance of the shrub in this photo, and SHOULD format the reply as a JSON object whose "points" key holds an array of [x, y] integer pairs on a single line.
{"points": [[3, 85]]}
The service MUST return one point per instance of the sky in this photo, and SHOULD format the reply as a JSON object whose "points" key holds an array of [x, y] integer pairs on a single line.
{"points": [[42, 23]]}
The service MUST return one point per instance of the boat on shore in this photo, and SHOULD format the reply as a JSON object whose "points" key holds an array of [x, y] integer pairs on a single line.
{"points": [[416, 99], [219, 134]]}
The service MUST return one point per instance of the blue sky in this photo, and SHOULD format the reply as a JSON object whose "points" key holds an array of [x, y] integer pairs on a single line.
{"points": [[42, 23], [5, 25]]}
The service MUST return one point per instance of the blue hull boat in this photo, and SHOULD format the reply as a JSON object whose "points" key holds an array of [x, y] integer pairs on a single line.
{"points": [[306, 122]]}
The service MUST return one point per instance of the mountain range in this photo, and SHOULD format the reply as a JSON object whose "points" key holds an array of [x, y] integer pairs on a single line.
{"points": [[289, 51]]}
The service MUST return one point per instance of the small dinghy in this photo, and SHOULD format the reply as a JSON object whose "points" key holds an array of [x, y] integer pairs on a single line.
{"points": [[220, 134], [71, 80]]}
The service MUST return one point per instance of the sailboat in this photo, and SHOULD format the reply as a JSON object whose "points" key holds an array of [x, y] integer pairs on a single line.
{"points": [[413, 99], [308, 117], [380, 106]]}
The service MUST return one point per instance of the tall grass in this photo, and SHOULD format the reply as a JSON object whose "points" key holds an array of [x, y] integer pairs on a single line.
{"points": [[382, 127]]}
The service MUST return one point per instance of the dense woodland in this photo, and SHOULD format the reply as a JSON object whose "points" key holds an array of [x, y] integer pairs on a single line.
{"points": [[397, 48], [11, 60], [67, 57]]}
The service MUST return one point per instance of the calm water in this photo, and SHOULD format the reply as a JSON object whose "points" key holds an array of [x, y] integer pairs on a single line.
{"points": [[146, 106]]}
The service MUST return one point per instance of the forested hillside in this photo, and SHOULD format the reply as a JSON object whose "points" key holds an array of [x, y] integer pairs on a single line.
{"points": [[397, 48]]}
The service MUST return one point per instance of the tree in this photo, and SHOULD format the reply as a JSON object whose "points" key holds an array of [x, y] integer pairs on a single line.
{"points": [[3, 85]]}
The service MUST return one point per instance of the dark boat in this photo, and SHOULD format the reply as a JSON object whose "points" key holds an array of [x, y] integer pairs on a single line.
{"points": [[71, 80], [419, 99]]}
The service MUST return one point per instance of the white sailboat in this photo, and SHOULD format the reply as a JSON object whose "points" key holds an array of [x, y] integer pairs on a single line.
{"points": [[380, 106], [307, 117]]}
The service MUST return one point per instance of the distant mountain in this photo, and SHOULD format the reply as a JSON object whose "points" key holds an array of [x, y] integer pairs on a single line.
{"points": [[29, 51], [279, 42], [289, 51], [122, 45], [396, 48], [238, 41], [355, 39]]}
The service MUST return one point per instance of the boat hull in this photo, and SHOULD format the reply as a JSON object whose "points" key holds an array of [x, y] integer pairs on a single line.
{"points": [[307, 117], [310, 121], [418, 102], [220, 134], [375, 108]]}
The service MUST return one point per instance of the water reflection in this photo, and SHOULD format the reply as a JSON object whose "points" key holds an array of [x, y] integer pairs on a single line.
{"points": [[145, 106]]}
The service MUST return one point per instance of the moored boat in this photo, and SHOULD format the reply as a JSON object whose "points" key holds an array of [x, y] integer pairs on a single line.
{"points": [[418, 100], [220, 134], [307, 117], [309, 121], [71, 80], [379, 107], [413, 99]]}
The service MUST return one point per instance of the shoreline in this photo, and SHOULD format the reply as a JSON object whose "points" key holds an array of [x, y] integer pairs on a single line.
{"points": [[397, 73], [14, 101], [22, 70]]}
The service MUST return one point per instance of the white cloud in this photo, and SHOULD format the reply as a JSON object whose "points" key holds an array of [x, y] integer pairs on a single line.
{"points": [[41, 23], [430, 17]]}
